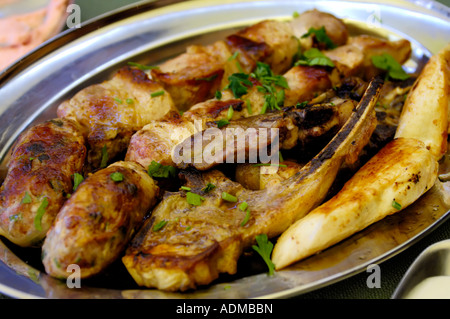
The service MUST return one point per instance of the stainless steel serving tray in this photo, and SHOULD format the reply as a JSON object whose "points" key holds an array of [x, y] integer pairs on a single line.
{"points": [[153, 31]]}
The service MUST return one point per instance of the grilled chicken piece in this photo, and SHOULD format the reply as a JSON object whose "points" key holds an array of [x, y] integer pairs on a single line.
{"points": [[335, 28], [425, 113], [277, 36], [197, 74], [98, 220], [392, 180], [42, 163], [355, 57], [112, 111], [199, 242]]}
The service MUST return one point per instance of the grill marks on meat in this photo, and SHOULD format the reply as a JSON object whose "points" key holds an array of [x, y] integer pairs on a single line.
{"points": [[43, 161], [199, 242]]}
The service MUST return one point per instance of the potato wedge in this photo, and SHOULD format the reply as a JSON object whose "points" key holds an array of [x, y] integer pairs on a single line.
{"points": [[393, 179], [425, 114]]}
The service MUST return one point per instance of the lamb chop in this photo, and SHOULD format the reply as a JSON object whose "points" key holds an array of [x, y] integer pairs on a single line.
{"points": [[192, 237]]}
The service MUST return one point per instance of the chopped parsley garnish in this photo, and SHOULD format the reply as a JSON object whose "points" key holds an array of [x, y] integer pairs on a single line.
{"points": [[161, 171], [396, 205], [230, 113], [228, 197], [243, 206], [246, 218], [273, 98], [194, 199], [207, 79], [249, 106], [222, 123], [157, 93], [142, 67], [40, 212], [77, 179], [321, 36], [160, 225], [118, 100], [264, 249], [233, 57], [209, 187], [387, 63], [116, 176], [26, 198], [238, 83], [313, 57], [105, 157], [185, 188], [129, 101], [218, 94]]}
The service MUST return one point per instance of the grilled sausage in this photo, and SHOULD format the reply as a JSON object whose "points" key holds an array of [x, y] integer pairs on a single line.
{"points": [[40, 170], [98, 220]]}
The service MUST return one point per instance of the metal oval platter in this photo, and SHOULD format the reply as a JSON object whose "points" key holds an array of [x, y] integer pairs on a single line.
{"points": [[151, 32]]}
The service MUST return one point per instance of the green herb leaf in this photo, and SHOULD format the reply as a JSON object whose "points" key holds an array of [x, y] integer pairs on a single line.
{"points": [[321, 36], [301, 105], [222, 123], [386, 62], [396, 205], [246, 218], [238, 83], [157, 93], [161, 171], [313, 57], [116, 176], [243, 206], [194, 199], [249, 106], [118, 100], [142, 67], [230, 113], [40, 212], [160, 225], [228, 197], [207, 79], [264, 249], [185, 188], [26, 198], [218, 94], [105, 157], [129, 101], [77, 179], [209, 187]]}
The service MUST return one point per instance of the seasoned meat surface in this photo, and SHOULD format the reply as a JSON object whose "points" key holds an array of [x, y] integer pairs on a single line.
{"points": [[112, 111], [185, 244], [40, 171], [96, 223]]}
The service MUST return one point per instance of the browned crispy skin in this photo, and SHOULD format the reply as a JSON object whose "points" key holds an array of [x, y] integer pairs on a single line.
{"points": [[110, 112], [242, 139], [42, 163], [195, 75], [98, 220], [268, 41], [200, 241], [335, 28]]}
